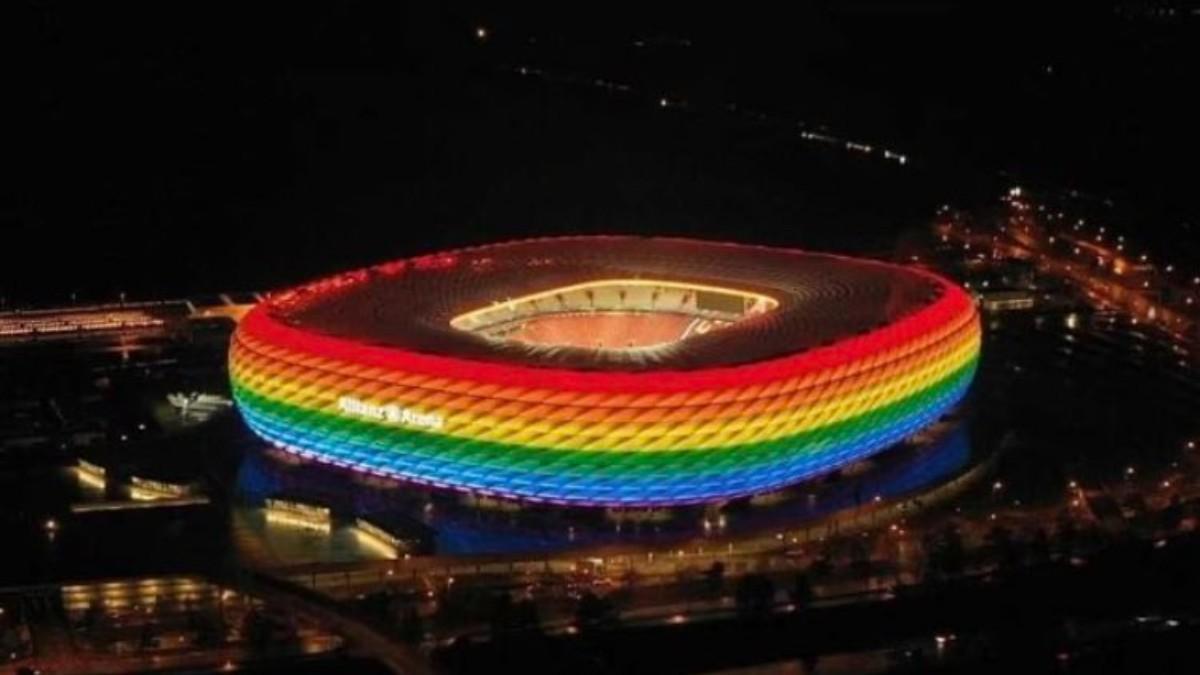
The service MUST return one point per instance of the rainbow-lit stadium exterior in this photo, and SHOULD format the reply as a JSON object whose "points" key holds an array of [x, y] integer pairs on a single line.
{"points": [[365, 371]]}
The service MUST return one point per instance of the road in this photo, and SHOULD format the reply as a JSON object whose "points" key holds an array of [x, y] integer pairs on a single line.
{"points": [[361, 637]]}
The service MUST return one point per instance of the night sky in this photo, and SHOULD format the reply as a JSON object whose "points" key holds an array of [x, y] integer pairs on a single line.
{"points": [[164, 151]]}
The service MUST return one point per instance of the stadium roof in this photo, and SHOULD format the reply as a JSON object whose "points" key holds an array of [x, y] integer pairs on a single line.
{"points": [[409, 304]]}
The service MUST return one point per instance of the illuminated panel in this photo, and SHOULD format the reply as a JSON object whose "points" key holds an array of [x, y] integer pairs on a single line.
{"points": [[146, 489], [298, 514], [92, 475], [611, 438], [375, 537]]}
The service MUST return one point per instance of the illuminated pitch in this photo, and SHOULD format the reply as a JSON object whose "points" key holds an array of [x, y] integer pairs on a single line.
{"points": [[607, 371]]}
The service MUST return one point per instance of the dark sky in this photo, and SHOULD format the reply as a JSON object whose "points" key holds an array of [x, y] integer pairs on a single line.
{"points": [[163, 150]]}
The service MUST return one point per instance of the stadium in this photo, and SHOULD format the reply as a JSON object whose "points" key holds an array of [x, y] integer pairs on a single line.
{"points": [[606, 371]]}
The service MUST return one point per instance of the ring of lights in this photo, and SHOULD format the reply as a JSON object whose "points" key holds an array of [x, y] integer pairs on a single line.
{"points": [[364, 370]]}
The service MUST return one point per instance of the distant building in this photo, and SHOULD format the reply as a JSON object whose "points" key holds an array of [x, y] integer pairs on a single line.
{"points": [[1006, 300]]}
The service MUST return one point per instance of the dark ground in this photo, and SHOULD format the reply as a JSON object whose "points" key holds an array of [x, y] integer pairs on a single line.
{"points": [[1048, 619]]}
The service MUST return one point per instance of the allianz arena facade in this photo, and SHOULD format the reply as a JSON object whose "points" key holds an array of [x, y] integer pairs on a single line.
{"points": [[606, 371]]}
